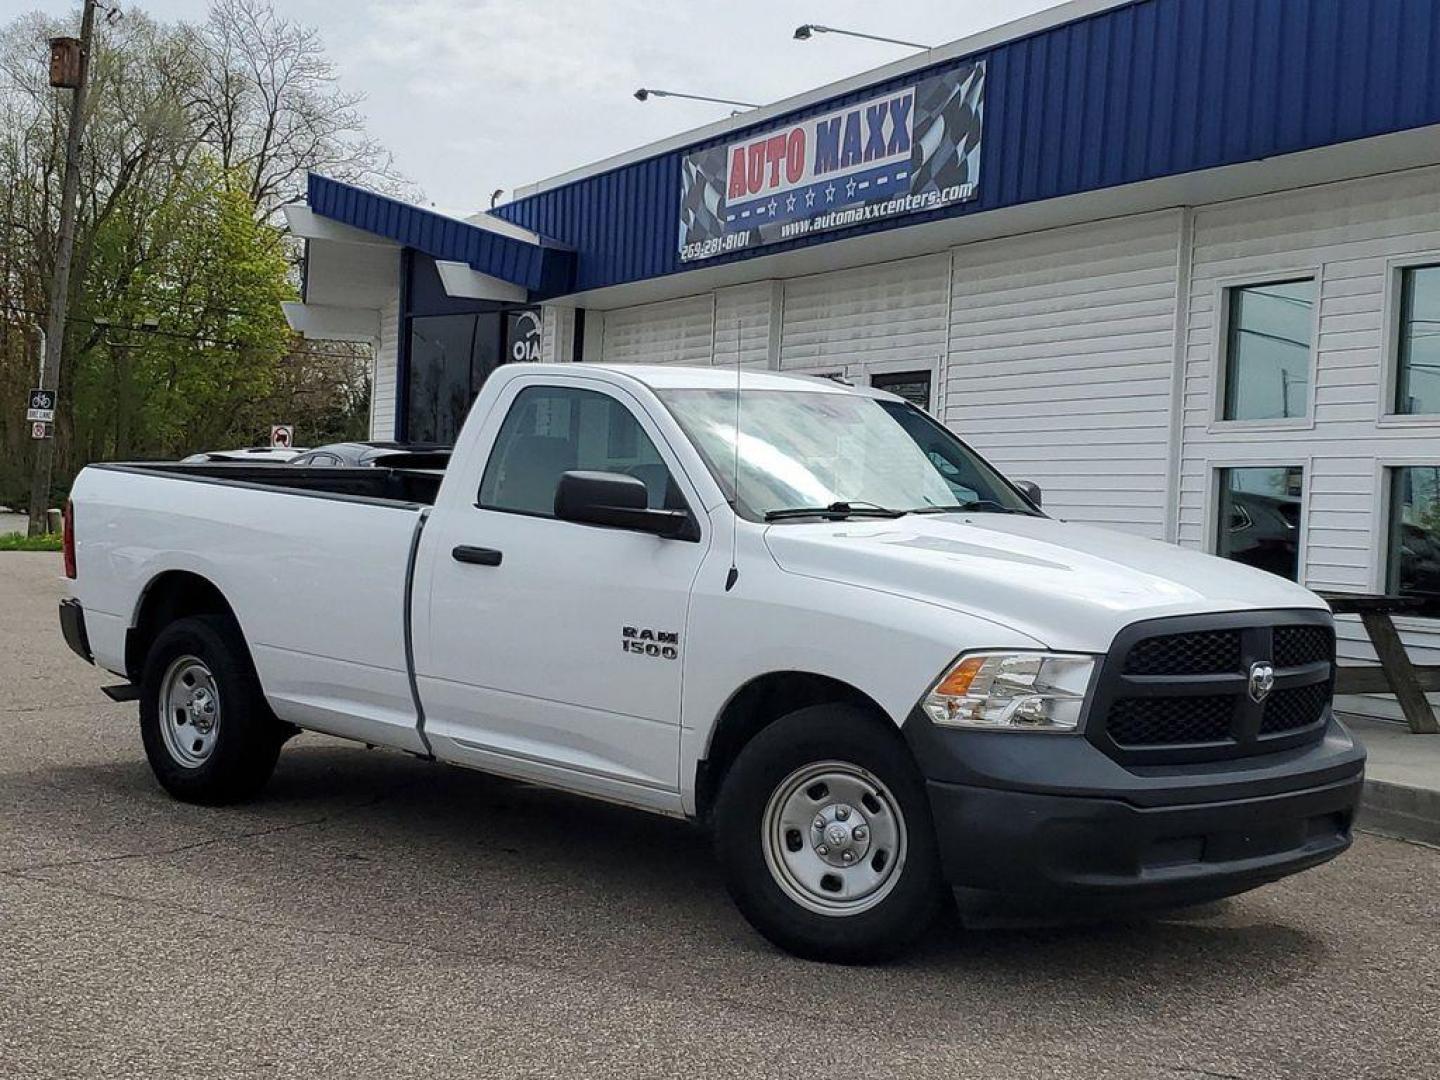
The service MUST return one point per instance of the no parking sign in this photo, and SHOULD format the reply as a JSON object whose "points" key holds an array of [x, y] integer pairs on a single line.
{"points": [[282, 436]]}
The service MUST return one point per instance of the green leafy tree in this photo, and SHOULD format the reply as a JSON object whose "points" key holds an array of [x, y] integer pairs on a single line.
{"points": [[176, 341], [188, 354]]}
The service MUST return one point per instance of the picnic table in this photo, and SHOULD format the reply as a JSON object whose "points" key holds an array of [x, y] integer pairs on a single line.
{"points": [[1395, 674]]}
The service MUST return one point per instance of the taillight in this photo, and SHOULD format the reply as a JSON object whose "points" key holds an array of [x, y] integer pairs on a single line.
{"points": [[69, 541]]}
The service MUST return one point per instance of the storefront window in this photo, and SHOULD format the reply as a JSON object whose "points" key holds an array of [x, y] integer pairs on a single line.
{"points": [[1417, 384], [450, 357], [1267, 350], [1259, 518], [1414, 557], [913, 386]]}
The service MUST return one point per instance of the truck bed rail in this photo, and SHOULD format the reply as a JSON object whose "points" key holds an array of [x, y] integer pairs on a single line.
{"points": [[403, 487]]}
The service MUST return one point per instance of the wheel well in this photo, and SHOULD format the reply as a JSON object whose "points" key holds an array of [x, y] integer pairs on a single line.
{"points": [[757, 705], [175, 594]]}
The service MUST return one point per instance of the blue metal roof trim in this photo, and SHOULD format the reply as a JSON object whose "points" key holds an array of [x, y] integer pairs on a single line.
{"points": [[1151, 89], [546, 268]]}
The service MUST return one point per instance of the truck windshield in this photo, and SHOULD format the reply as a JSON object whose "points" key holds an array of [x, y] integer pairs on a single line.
{"points": [[835, 454]]}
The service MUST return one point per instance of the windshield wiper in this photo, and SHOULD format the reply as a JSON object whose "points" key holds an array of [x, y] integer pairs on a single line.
{"points": [[836, 511], [987, 506]]}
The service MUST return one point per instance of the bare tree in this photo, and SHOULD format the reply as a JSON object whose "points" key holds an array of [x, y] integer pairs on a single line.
{"points": [[270, 108]]}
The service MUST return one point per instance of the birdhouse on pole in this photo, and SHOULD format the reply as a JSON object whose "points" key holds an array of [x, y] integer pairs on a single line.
{"points": [[67, 62]]}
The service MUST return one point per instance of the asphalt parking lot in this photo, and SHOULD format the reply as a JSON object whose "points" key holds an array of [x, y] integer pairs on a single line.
{"points": [[374, 915]]}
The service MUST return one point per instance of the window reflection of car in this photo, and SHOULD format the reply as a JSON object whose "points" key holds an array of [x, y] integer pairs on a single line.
{"points": [[1419, 562], [1264, 531], [370, 454]]}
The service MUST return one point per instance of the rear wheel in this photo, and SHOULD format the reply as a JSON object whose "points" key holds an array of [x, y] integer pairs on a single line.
{"points": [[208, 732], [823, 830]]}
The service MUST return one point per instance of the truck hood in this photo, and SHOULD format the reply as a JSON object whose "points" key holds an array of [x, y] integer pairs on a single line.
{"points": [[1072, 587]]}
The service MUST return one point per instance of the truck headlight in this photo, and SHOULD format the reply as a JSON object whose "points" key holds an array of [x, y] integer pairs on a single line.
{"points": [[1014, 691]]}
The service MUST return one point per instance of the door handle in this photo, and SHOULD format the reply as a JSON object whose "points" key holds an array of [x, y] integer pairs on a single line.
{"points": [[479, 556]]}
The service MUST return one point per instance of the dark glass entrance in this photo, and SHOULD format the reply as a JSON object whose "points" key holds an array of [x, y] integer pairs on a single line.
{"points": [[450, 358], [449, 348]]}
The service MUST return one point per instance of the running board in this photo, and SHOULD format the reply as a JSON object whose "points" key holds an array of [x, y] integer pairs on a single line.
{"points": [[122, 692]]}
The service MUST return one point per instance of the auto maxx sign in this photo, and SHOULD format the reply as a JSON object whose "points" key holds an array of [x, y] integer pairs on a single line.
{"points": [[907, 150]]}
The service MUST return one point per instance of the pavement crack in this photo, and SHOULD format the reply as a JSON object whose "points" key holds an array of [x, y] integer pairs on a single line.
{"points": [[161, 853], [54, 706], [213, 841]]}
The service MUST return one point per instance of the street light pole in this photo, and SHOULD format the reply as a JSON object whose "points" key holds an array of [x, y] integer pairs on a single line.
{"points": [[805, 31], [645, 93], [60, 282]]}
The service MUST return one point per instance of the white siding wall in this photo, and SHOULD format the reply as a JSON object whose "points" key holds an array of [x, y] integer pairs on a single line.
{"points": [[885, 314], [1057, 351], [742, 324], [1061, 351], [557, 334], [673, 332], [1347, 234], [382, 392]]}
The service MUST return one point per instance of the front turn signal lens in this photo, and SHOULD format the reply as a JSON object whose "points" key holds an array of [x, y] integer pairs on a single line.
{"points": [[1013, 691], [957, 682]]}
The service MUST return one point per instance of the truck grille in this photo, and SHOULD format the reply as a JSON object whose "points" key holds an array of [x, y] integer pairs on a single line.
{"points": [[1202, 653], [1297, 707], [1296, 645], [1181, 689], [1155, 721]]}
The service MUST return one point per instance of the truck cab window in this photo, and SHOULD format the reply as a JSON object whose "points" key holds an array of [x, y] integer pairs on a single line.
{"points": [[551, 430]]}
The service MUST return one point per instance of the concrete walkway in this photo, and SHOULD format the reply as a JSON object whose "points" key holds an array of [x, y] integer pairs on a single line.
{"points": [[1402, 781]]}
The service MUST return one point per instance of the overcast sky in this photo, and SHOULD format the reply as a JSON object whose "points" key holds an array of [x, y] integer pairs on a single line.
{"points": [[473, 95]]}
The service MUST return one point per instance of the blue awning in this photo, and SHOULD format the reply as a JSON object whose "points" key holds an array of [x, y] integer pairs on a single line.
{"points": [[543, 267]]}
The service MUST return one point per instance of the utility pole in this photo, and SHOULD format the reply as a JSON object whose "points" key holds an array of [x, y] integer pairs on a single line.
{"points": [[60, 283]]}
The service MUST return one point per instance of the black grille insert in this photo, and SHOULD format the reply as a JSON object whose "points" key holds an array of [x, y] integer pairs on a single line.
{"points": [[1155, 721], [1205, 652], [1299, 645], [1294, 708]]}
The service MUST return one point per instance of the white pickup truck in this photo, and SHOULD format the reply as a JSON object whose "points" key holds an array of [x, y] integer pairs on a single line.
{"points": [[802, 613]]}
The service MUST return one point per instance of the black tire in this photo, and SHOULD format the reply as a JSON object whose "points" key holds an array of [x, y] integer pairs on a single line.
{"points": [[247, 735], [766, 767]]}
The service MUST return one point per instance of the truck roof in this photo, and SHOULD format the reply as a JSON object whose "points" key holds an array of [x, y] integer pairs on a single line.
{"points": [[683, 377]]}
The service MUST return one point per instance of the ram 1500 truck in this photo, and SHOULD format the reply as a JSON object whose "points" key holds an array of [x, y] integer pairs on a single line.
{"points": [[804, 614]]}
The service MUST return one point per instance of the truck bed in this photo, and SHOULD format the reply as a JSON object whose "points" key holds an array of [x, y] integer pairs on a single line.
{"points": [[408, 486], [313, 562]]}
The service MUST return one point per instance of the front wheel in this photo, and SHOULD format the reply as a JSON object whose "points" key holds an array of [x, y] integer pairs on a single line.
{"points": [[208, 732], [823, 831]]}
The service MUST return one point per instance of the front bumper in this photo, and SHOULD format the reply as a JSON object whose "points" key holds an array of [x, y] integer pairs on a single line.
{"points": [[72, 627], [1037, 824]]}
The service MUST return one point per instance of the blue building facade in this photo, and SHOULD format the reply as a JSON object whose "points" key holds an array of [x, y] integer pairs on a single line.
{"points": [[1144, 90]]}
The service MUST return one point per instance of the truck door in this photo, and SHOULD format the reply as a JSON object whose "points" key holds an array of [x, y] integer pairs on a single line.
{"points": [[552, 649]]}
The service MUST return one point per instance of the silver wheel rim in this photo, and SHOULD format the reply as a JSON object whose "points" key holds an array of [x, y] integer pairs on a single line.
{"points": [[189, 711], [834, 838]]}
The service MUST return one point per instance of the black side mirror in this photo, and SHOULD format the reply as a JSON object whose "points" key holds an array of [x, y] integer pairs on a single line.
{"points": [[1030, 490], [619, 501]]}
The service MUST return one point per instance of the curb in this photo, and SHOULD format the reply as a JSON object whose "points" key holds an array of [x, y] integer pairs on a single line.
{"points": [[1401, 811]]}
